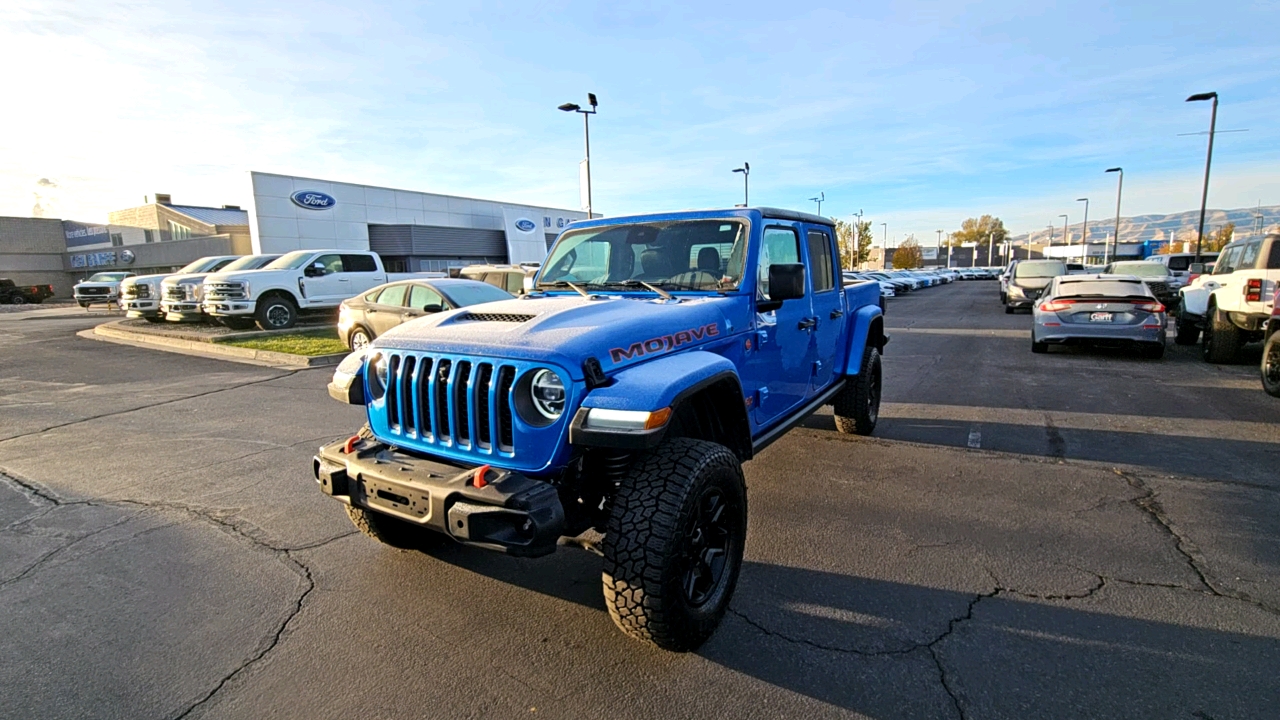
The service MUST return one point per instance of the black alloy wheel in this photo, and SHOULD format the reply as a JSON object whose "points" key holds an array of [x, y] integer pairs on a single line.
{"points": [[708, 545]]}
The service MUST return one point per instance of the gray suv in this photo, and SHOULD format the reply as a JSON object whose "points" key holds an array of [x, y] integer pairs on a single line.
{"points": [[1028, 281]]}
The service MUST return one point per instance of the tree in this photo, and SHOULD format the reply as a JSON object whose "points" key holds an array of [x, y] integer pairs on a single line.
{"points": [[977, 230], [1215, 241], [908, 255], [864, 241]]}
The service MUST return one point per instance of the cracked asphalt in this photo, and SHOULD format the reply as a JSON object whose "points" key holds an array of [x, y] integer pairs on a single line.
{"points": [[1079, 534]]}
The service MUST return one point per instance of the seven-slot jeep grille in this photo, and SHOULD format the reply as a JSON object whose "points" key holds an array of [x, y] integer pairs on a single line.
{"points": [[451, 402]]}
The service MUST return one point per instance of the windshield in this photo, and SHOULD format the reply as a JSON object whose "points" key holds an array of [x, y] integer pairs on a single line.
{"points": [[1141, 269], [679, 255], [206, 264], [291, 261], [1039, 269], [108, 277], [468, 294], [1101, 288], [249, 262]]}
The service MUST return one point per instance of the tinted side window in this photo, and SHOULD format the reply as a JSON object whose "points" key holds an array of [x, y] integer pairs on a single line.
{"points": [[515, 282], [1178, 263], [821, 264], [1273, 262], [496, 279], [1249, 257], [781, 246], [359, 263], [422, 296], [393, 295], [1227, 261]]}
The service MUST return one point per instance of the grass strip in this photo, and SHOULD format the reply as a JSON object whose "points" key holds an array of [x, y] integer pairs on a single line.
{"points": [[308, 343]]}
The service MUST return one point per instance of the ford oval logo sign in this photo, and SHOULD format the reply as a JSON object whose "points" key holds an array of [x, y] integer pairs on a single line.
{"points": [[127, 257], [313, 200], [525, 225]]}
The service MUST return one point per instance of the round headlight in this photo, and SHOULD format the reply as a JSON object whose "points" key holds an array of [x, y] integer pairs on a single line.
{"points": [[379, 367], [547, 391]]}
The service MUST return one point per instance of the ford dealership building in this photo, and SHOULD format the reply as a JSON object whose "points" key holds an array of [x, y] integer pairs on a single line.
{"points": [[412, 231]]}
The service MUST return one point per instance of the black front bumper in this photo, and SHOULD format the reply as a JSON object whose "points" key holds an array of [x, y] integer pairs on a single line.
{"points": [[481, 506]]}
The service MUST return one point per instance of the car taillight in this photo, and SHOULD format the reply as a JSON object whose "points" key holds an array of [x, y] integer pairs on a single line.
{"points": [[1151, 307], [1253, 290], [1057, 305]]}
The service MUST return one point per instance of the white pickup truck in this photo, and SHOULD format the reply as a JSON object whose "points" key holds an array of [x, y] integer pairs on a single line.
{"points": [[1230, 306], [303, 281]]}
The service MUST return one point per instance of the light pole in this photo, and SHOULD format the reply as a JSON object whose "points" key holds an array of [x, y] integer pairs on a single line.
{"points": [[991, 243], [1204, 196], [1066, 237], [1115, 243], [884, 252], [857, 233], [1084, 231], [746, 194], [1051, 234], [821, 196], [586, 134], [940, 247]]}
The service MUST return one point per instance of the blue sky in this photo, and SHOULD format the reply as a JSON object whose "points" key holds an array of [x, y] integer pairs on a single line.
{"points": [[919, 114]]}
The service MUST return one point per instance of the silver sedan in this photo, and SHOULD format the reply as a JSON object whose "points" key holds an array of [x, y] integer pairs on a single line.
{"points": [[1107, 310]]}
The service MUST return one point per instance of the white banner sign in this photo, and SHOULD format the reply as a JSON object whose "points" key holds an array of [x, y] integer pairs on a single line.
{"points": [[526, 241], [928, 253]]}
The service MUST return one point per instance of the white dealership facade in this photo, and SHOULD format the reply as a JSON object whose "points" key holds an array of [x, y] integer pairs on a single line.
{"points": [[412, 231]]}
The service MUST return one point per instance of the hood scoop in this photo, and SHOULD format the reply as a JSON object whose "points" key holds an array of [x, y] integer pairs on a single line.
{"points": [[493, 317]]}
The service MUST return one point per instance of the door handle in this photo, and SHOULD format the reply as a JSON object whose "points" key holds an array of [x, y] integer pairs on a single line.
{"points": [[837, 314], [808, 323]]}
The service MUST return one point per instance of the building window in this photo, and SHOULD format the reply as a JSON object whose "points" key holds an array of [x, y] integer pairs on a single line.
{"points": [[178, 232], [149, 235], [117, 239]]}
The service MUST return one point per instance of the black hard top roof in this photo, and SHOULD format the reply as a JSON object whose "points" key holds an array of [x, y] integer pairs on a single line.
{"points": [[784, 214]]}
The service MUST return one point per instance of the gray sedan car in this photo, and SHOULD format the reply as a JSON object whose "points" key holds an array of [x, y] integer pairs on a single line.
{"points": [[1106, 310], [365, 317]]}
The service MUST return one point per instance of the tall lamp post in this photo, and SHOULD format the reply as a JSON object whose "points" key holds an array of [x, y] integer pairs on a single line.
{"points": [[1084, 231], [884, 253], [746, 194], [1066, 236], [586, 134], [1204, 196], [1051, 229], [821, 196], [1115, 242], [940, 247]]}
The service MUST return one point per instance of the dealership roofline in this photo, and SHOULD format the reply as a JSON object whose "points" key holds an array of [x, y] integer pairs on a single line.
{"points": [[420, 192]]}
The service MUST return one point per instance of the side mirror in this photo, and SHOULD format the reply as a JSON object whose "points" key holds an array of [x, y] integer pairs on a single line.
{"points": [[315, 270], [432, 308], [786, 282], [1196, 268]]}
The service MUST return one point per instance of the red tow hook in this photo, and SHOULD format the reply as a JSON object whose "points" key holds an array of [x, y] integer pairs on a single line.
{"points": [[477, 480], [351, 444]]}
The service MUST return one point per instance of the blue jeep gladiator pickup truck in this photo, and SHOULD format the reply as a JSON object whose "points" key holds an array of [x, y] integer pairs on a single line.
{"points": [[654, 356]]}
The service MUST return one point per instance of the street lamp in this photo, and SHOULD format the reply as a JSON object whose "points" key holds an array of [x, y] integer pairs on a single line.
{"points": [[1084, 231], [746, 195], [1051, 234], [586, 134], [884, 252], [1115, 241], [821, 196], [1204, 196], [1066, 236], [940, 247]]}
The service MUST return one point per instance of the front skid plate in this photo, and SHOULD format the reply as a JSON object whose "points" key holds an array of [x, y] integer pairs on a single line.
{"points": [[486, 507]]}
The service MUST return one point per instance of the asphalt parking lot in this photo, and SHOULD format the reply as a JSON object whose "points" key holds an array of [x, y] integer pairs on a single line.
{"points": [[1078, 534]]}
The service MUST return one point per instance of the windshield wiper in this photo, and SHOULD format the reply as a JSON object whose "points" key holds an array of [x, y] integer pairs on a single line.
{"points": [[564, 284], [637, 283]]}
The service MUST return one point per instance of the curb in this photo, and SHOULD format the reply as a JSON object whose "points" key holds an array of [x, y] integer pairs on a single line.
{"points": [[109, 332]]}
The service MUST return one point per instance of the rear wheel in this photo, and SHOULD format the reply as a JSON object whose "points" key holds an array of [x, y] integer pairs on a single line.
{"points": [[1271, 365], [1038, 347], [1222, 338], [1188, 333], [673, 548], [1154, 351], [18, 300], [857, 405]]}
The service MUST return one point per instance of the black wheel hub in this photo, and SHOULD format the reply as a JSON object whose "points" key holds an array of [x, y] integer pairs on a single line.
{"points": [[708, 546], [1271, 364]]}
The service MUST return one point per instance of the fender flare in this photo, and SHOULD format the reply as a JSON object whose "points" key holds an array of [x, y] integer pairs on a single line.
{"points": [[861, 325], [651, 386]]}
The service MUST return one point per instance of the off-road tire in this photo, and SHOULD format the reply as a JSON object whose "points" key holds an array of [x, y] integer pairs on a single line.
{"points": [[1188, 333], [1222, 339], [386, 529], [1271, 365], [857, 405], [276, 312], [238, 323], [655, 520]]}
